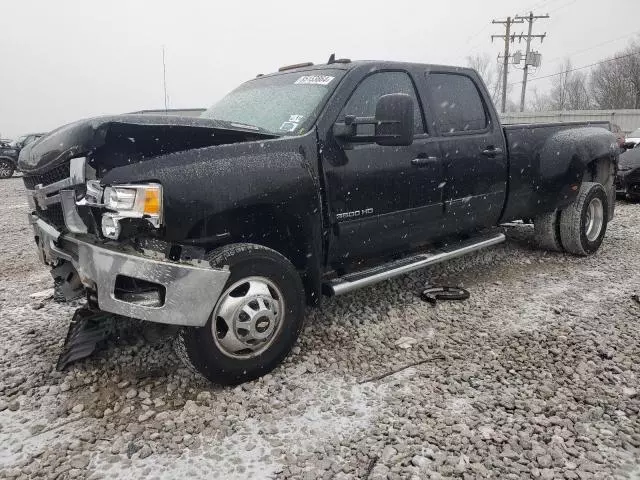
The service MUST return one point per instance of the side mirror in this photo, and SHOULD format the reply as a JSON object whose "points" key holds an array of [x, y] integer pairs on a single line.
{"points": [[394, 119], [392, 123]]}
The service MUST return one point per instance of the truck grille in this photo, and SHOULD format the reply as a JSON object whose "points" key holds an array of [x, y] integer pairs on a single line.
{"points": [[52, 215], [58, 173]]}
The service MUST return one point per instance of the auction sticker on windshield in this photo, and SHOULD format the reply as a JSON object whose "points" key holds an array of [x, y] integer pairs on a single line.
{"points": [[314, 80]]}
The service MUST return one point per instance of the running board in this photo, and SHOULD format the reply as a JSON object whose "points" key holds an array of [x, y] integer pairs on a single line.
{"points": [[364, 278]]}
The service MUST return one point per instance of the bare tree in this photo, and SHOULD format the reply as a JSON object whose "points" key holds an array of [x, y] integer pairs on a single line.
{"points": [[481, 63], [539, 102], [632, 64], [578, 97], [569, 90], [616, 82], [491, 72], [558, 94]]}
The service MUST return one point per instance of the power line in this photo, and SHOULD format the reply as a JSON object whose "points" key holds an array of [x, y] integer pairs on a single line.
{"points": [[594, 46], [580, 68], [562, 6], [537, 5]]}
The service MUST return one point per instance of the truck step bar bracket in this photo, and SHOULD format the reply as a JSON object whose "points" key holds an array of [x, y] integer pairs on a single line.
{"points": [[364, 278]]}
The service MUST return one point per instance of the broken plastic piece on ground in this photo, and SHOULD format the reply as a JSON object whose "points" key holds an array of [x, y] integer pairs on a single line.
{"points": [[433, 294], [42, 295], [88, 328]]}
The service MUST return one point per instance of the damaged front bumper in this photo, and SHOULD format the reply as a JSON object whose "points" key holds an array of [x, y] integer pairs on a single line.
{"points": [[176, 293]]}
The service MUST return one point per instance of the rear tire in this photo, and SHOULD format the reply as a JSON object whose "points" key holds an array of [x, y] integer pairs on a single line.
{"points": [[6, 168], [547, 232], [255, 322], [583, 224]]}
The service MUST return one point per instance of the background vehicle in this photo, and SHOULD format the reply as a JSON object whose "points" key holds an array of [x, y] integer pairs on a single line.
{"points": [[617, 131], [25, 140], [628, 177], [9, 153], [8, 160], [633, 137], [315, 179]]}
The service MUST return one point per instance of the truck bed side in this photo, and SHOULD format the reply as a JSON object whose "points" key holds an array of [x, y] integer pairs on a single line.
{"points": [[547, 163]]}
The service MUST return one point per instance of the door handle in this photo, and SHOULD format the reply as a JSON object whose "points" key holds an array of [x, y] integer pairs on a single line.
{"points": [[492, 151], [423, 161]]}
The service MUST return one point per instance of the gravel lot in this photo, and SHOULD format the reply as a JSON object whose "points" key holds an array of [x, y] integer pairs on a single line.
{"points": [[537, 375]]}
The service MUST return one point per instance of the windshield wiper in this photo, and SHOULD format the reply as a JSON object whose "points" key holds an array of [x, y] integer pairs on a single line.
{"points": [[244, 126]]}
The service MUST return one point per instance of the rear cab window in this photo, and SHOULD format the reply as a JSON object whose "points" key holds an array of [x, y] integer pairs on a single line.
{"points": [[456, 103]]}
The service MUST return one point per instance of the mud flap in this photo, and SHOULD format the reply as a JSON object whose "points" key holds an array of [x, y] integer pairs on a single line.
{"points": [[88, 328]]}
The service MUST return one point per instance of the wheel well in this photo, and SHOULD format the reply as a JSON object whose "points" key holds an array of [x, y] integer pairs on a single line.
{"points": [[12, 160], [602, 171], [291, 236], [599, 170]]}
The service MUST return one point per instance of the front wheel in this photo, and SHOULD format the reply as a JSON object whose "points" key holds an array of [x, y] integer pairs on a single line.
{"points": [[255, 322], [6, 168], [584, 222]]}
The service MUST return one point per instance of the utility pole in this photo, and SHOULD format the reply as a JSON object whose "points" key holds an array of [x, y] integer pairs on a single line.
{"points": [[505, 69], [528, 60]]}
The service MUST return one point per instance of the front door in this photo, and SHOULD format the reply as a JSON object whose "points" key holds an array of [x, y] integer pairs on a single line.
{"points": [[374, 192]]}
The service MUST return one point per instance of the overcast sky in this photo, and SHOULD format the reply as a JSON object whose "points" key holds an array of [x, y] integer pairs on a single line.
{"points": [[62, 60]]}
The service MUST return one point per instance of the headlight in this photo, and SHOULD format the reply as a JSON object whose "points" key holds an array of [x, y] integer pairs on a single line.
{"points": [[120, 198], [131, 201], [135, 201]]}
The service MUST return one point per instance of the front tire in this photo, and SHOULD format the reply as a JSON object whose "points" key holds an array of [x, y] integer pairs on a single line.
{"points": [[255, 322], [6, 168], [583, 224]]}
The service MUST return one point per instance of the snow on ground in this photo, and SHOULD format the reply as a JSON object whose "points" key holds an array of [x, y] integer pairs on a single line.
{"points": [[535, 376]]}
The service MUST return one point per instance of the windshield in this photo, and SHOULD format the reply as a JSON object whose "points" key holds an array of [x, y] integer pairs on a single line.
{"points": [[284, 104], [635, 133]]}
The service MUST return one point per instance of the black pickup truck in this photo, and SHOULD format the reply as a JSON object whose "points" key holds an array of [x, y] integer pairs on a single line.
{"points": [[312, 180]]}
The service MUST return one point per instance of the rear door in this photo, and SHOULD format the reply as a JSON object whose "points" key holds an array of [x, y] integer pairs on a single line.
{"points": [[373, 191], [473, 151]]}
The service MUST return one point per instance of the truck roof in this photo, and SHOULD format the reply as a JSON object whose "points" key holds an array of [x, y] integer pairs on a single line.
{"points": [[378, 64]]}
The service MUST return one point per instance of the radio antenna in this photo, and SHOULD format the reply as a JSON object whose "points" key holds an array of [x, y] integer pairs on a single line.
{"points": [[164, 81]]}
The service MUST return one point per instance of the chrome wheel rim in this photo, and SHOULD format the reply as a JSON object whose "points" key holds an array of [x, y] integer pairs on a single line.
{"points": [[248, 317], [5, 168], [595, 219]]}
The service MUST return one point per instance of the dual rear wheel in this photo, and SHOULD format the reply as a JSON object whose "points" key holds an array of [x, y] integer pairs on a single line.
{"points": [[579, 228]]}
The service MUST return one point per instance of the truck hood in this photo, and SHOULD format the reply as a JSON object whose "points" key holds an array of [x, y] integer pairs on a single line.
{"points": [[112, 141]]}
